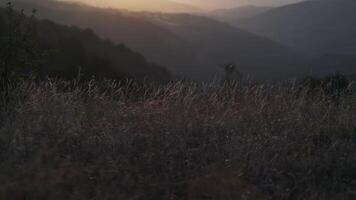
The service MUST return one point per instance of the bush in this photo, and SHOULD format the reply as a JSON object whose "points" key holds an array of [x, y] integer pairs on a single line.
{"points": [[19, 53], [332, 86]]}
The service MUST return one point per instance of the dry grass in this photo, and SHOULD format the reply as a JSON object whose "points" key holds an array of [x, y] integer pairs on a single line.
{"points": [[104, 141]]}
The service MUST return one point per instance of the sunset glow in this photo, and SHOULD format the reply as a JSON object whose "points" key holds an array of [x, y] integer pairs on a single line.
{"points": [[181, 5], [143, 5]]}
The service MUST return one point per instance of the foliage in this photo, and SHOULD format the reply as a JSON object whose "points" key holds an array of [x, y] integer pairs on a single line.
{"points": [[54, 50], [232, 74], [332, 85], [109, 140], [19, 50]]}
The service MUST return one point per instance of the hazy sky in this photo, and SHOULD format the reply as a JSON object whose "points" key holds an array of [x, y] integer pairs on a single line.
{"points": [[213, 4], [163, 5]]}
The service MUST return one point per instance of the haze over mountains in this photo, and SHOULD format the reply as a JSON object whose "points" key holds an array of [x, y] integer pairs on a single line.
{"points": [[224, 4], [181, 5], [186, 44], [142, 5], [318, 27], [232, 15], [264, 42], [217, 43]]}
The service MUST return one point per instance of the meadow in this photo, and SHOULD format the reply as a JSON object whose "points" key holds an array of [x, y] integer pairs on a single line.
{"points": [[183, 140]]}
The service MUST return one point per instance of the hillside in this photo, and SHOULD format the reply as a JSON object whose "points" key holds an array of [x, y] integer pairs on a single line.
{"points": [[231, 15], [335, 63], [69, 48], [155, 43], [220, 43], [144, 5], [316, 27], [189, 45]]}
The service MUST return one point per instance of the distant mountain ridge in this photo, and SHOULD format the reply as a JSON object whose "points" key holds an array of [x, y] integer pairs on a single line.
{"points": [[316, 27], [188, 45], [255, 56], [231, 15], [143, 5], [221, 4]]}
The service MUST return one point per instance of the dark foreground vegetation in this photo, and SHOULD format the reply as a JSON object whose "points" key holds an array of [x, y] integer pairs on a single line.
{"points": [[61, 140]]}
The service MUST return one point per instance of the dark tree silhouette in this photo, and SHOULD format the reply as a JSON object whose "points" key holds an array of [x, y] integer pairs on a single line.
{"points": [[232, 73], [19, 50]]}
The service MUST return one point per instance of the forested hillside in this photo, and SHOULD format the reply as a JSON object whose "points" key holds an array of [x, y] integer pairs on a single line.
{"points": [[66, 50]]}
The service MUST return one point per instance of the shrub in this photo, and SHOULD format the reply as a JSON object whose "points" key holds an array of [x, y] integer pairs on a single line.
{"points": [[332, 86], [19, 53]]}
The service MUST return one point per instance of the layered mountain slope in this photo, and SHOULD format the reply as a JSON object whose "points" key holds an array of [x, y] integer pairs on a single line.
{"points": [[317, 27], [70, 50], [189, 45], [219, 42], [156, 43], [231, 15]]}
